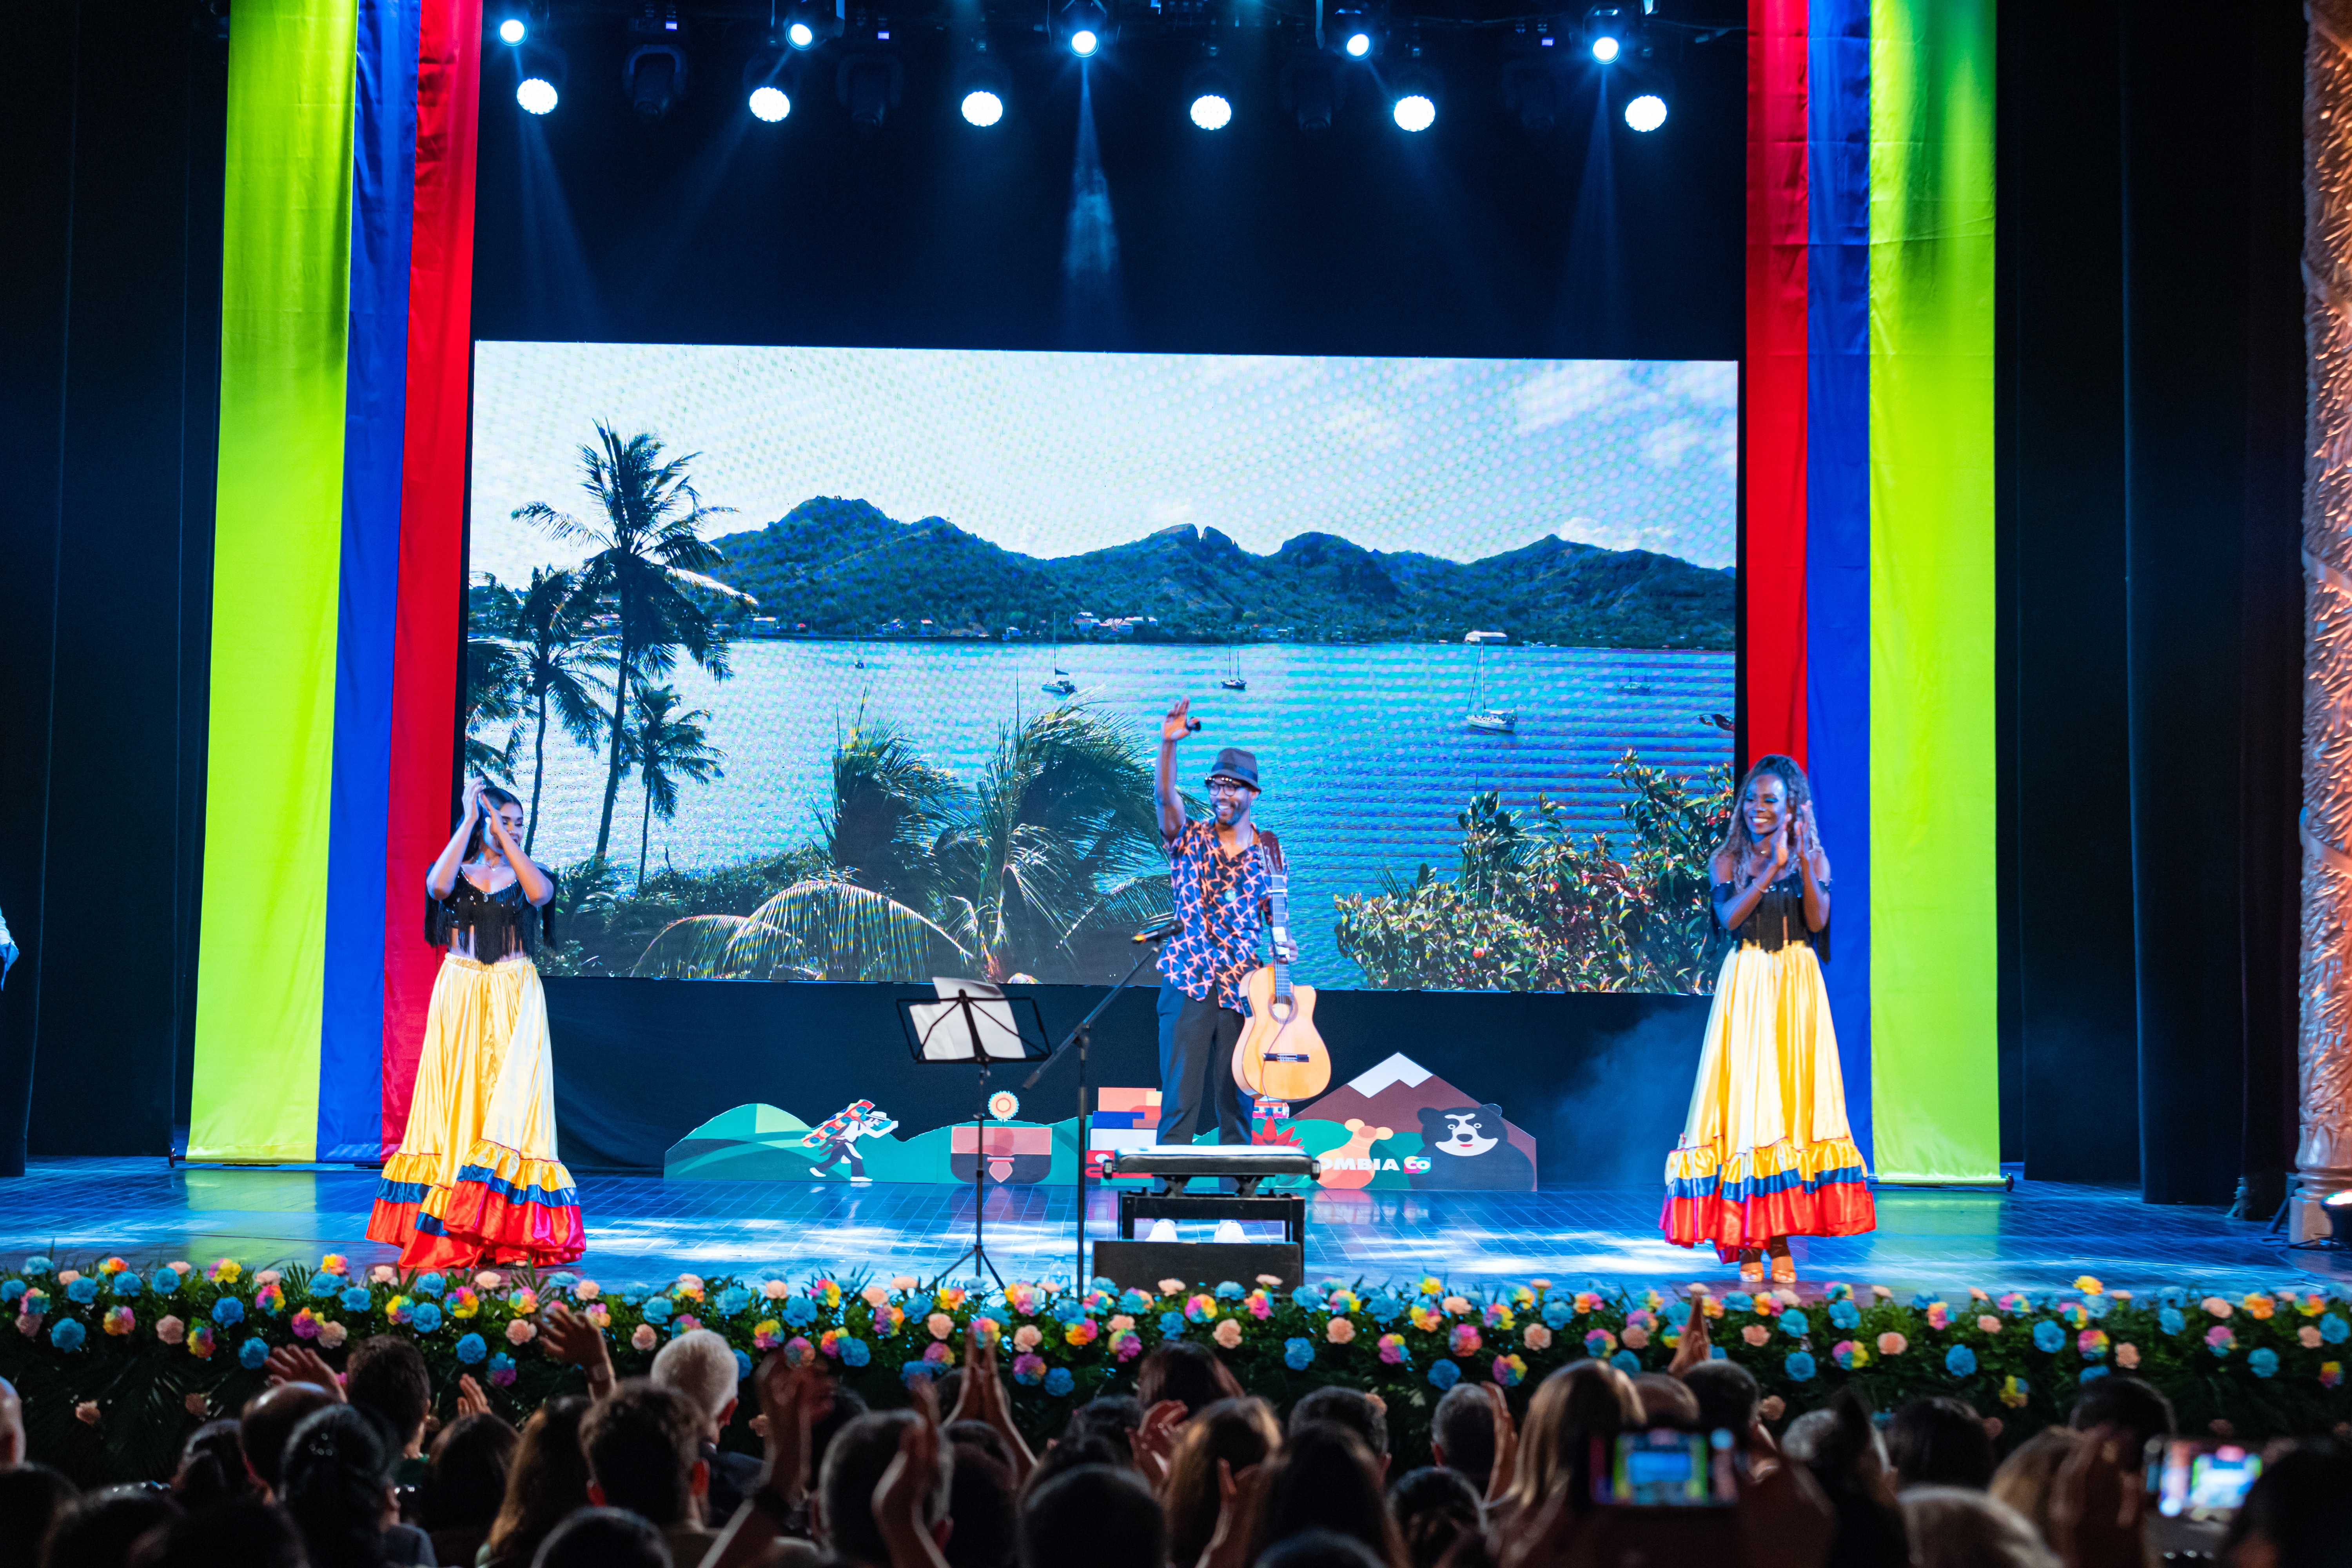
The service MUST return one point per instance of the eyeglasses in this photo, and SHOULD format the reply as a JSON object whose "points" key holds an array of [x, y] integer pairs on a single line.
{"points": [[1229, 787]]}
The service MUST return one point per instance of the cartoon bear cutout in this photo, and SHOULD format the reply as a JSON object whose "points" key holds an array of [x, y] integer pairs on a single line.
{"points": [[1469, 1149]]}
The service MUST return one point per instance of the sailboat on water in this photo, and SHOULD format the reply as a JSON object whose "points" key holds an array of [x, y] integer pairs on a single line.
{"points": [[1234, 682], [1482, 718], [1061, 685]]}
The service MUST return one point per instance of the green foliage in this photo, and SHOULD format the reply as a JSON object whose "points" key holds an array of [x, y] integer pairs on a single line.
{"points": [[665, 746], [116, 1402], [1530, 907]]}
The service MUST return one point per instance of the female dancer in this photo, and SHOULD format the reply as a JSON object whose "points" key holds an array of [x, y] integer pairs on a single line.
{"points": [[476, 1179], [1766, 1152]]}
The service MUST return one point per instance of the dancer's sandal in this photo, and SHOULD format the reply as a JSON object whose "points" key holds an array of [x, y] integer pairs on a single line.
{"points": [[1784, 1268], [1751, 1268]]}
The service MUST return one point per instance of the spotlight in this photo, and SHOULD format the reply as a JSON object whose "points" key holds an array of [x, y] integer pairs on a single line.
{"points": [[1310, 88], [1085, 42], [768, 83], [808, 23], [1605, 48], [800, 33], [1211, 112], [1084, 28], [983, 89], [511, 30], [870, 86], [536, 94], [769, 103], [1415, 112], [1646, 112], [1209, 94], [540, 78], [1358, 46], [1612, 32], [982, 108]]}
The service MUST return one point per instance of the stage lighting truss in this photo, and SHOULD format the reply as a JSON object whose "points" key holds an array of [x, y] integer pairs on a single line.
{"points": [[1084, 27], [869, 83], [983, 89], [1208, 95]]}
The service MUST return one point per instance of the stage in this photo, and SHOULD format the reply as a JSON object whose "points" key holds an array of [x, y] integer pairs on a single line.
{"points": [[645, 1230]]}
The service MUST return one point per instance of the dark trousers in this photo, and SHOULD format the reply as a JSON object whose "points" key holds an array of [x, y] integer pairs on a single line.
{"points": [[1196, 1070]]}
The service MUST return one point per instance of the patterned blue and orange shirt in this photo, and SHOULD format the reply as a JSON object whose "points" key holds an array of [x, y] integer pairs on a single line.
{"points": [[1218, 897]]}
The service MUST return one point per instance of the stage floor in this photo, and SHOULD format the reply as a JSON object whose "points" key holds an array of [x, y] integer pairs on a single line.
{"points": [[642, 1229]]}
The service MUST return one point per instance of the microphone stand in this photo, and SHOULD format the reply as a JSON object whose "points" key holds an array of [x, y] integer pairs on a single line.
{"points": [[1082, 1036]]}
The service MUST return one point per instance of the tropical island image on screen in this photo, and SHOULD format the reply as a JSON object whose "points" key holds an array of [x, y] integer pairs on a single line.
{"points": [[1475, 619]]}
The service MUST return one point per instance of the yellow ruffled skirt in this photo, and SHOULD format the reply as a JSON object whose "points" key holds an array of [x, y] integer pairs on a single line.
{"points": [[476, 1179], [1766, 1150]]}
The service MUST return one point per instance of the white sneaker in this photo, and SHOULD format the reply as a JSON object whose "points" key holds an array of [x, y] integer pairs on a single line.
{"points": [[1230, 1230], [1162, 1230]]}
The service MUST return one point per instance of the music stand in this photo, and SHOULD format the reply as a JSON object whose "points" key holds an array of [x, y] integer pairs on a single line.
{"points": [[974, 1021]]}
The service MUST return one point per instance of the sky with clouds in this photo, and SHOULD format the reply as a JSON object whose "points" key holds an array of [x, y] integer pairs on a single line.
{"points": [[1055, 454]]}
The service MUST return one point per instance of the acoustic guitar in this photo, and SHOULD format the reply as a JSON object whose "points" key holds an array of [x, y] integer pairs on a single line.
{"points": [[1280, 1055]]}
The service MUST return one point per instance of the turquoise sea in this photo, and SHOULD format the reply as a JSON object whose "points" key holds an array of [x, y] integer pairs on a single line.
{"points": [[1362, 750]]}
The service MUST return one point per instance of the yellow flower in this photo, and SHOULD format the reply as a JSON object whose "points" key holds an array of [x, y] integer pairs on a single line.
{"points": [[2088, 1285]]}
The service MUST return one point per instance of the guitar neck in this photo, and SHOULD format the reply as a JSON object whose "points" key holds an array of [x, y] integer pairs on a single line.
{"points": [[1278, 895]]}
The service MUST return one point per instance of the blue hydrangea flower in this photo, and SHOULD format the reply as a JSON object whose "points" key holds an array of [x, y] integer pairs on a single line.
{"points": [[1924, 1299], [1388, 1307], [1844, 1314], [37, 1264], [1717, 1352], [128, 1283], [429, 1286], [11, 1290], [253, 1355], [67, 1334], [1444, 1373], [1134, 1302], [1102, 1282], [2049, 1336], [1059, 1381], [564, 1281], [914, 1370], [472, 1349], [1071, 1311], [1960, 1361], [2170, 1321], [656, 1309], [799, 1312], [356, 1298], [84, 1290], [854, 1353], [1739, 1301], [2092, 1374], [1307, 1299], [731, 1300], [1557, 1311], [1171, 1324], [228, 1312], [323, 1285], [742, 1366], [425, 1316], [167, 1281], [2335, 1328], [1677, 1313], [1800, 1367], [2100, 1305], [2264, 1362], [1627, 1363], [501, 1365], [1228, 1291], [1795, 1325], [1297, 1353]]}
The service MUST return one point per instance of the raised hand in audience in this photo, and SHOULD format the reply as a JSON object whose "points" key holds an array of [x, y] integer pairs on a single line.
{"points": [[572, 1338], [789, 1396], [1240, 1501], [471, 1400], [301, 1364], [1694, 1347], [1153, 1441], [1507, 1443], [899, 1496], [981, 1398], [2097, 1504]]}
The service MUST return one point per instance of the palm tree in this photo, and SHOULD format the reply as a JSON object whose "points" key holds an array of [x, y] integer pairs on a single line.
{"points": [[494, 680], [651, 563], [562, 664], [664, 748], [889, 804]]}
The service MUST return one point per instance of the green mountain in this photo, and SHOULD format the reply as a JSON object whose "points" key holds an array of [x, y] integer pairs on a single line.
{"points": [[842, 568]]}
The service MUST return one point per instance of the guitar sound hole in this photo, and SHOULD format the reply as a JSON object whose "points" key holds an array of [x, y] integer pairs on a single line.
{"points": [[1281, 1011]]}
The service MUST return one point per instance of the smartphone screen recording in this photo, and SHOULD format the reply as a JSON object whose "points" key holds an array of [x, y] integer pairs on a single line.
{"points": [[2199, 1480], [1670, 1470]]}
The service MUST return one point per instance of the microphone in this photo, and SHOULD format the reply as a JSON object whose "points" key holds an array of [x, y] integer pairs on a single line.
{"points": [[1192, 723], [1160, 931]]}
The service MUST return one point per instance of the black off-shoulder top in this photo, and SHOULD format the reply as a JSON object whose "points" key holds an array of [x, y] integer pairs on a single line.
{"points": [[497, 925], [1778, 919]]}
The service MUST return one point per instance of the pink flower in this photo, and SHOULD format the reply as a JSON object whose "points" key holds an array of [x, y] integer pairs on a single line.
{"points": [[28, 1325], [67, 1276], [587, 1290], [520, 1333], [2217, 1305], [1455, 1306], [777, 1290], [383, 1274], [877, 1295], [903, 1282], [940, 1325], [333, 1334], [1340, 1331], [1026, 1337], [1939, 1316], [1989, 1324], [1465, 1339], [1028, 1368], [2309, 1337], [334, 1263], [1172, 1287], [1228, 1334], [1120, 1322], [2127, 1356], [1756, 1334], [644, 1339], [1891, 1343], [195, 1405], [686, 1322], [525, 1301], [1771, 1406], [1537, 1337], [1260, 1306], [2219, 1339], [121, 1321], [305, 1324], [490, 1280], [688, 1285], [1391, 1349], [1127, 1346], [266, 1276], [1636, 1337], [170, 1331], [600, 1314], [86, 1413], [937, 1354]]}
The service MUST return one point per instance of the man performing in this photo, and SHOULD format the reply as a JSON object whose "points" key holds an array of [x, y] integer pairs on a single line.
{"points": [[1220, 873]]}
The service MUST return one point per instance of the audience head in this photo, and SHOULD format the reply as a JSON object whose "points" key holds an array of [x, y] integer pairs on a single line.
{"points": [[1110, 1416], [1462, 1433], [979, 1436], [644, 1445], [547, 1481], [12, 1426], [1242, 1433], [1324, 1478], [1183, 1371], [853, 1468], [701, 1365], [1073, 1453], [467, 1480], [31, 1499], [1359, 1412], [980, 1500], [1958, 1527], [1320, 1549], [1581, 1401], [603, 1538], [1806, 1433], [1433, 1507], [838, 1407], [1848, 1458], [211, 1467], [2025, 1479], [1939, 1443], [1727, 1395], [1096, 1516], [338, 1484], [1666, 1401], [2130, 1402], [270, 1417], [99, 1528], [237, 1533], [2297, 1515], [387, 1376]]}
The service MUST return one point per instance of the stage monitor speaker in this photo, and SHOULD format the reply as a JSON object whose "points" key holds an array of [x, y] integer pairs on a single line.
{"points": [[1143, 1265]]}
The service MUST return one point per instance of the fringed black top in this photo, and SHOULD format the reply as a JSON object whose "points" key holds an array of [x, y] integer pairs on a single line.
{"points": [[1778, 917], [497, 925]]}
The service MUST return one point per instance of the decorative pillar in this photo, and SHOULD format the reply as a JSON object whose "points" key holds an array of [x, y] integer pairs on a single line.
{"points": [[2323, 1150]]}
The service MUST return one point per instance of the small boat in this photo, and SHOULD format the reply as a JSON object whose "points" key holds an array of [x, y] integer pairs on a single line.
{"points": [[1634, 688], [1493, 720], [1234, 682], [1061, 685]]}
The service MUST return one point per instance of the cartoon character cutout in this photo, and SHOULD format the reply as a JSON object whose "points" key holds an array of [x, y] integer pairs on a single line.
{"points": [[838, 1134]]}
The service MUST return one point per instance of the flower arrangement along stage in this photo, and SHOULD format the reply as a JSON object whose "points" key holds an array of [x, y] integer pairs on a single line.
{"points": [[116, 1365]]}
